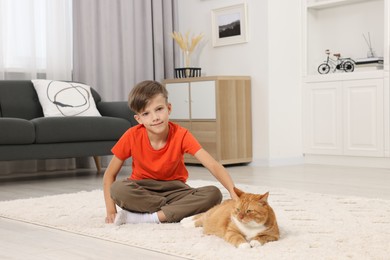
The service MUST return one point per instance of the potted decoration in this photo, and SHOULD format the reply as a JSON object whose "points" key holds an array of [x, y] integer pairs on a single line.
{"points": [[187, 47]]}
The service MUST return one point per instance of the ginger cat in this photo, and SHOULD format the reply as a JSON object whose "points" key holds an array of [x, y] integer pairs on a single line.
{"points": [[248, 222]]}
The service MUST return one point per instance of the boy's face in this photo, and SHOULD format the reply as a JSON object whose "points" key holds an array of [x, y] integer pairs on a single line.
{"points": [[155, 116]]}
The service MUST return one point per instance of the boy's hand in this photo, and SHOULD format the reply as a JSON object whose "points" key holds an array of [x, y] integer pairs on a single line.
{"points": [[233, 195], [110, 218]]}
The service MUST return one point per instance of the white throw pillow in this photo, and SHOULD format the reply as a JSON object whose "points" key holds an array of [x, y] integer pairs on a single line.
{"points": [[60, 98]]}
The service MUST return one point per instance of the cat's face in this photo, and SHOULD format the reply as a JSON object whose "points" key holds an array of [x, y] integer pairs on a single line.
{"points": [[251, 208]]}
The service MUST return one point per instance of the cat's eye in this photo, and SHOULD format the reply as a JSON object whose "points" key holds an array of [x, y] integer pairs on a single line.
{"points": [[249, 211]]}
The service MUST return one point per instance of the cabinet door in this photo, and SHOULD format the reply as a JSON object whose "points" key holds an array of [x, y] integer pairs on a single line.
{"points": [[323, 118], [363, 117], [203, 100], [179, 98]]}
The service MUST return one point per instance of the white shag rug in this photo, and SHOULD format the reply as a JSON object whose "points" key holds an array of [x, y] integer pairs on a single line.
{"points": [[313, 226]]}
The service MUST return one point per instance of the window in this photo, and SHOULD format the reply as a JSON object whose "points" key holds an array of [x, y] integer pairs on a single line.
{"points": [[35, 37]]}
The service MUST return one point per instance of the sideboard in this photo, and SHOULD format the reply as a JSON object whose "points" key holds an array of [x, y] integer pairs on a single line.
{"points": [[217, 111]]}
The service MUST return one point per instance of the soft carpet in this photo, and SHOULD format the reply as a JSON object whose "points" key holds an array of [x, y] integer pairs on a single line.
{"points": [[313, 226]]}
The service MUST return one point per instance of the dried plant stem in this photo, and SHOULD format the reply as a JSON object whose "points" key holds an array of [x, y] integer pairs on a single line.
{"points": [[187, 45]]}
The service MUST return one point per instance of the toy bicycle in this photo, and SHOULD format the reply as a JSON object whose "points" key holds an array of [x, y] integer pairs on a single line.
{"points": [[344, 64]]}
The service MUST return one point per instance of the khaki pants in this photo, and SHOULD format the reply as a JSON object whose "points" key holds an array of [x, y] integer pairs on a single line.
{"points": [[176, 199]]}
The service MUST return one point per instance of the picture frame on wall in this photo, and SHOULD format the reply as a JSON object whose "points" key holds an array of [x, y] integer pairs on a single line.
{"points": [[229, 25]]}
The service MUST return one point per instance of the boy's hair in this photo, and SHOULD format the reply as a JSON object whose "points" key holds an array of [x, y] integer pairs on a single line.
{"points": [[143, 92]]}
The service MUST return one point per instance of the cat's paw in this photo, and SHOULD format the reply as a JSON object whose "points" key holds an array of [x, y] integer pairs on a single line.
{"points": [[244, 245], [188, 222], [255, 243]]}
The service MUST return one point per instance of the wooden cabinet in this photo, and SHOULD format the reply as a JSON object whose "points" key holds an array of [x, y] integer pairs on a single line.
{"points": [[202, 96], [217, 111], [345, 118]]}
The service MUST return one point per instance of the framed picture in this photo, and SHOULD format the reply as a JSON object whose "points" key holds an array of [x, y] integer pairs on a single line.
{"points": [[229, 25]]}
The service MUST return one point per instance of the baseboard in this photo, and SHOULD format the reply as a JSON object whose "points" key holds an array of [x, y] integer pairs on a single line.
{"points": [[352, 161]]}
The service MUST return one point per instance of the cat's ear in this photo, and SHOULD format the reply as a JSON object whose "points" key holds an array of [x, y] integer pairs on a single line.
{"points": [[264, 197], [238, 191]]}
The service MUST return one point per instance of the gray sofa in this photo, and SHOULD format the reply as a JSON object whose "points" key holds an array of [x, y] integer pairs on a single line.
{"points": [[25, 134]]}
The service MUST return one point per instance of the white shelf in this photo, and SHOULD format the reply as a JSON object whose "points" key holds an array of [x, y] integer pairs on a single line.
{"points": [[340, 76], [331, 3], [342, 30]]}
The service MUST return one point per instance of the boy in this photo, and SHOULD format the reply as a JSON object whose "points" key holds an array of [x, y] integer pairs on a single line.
{"points": [[156, 191]]}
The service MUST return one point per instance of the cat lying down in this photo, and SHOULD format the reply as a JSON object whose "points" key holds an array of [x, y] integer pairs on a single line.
{"points": [[247, 222]]}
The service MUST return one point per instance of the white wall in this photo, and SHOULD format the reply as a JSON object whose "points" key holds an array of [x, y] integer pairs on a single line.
{"points": [[271, 58]]}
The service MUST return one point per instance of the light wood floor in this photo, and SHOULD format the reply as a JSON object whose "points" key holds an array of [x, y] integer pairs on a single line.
{"points": [[25, 241]]}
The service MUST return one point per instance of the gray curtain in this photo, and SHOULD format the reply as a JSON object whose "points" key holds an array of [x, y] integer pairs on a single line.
{"points": [[30, 167], [118, 43]]}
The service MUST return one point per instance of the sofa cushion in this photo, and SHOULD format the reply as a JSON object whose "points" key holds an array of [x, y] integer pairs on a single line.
{"points": [[78, 129], [16, 131], [60, 98], [19, 99]]}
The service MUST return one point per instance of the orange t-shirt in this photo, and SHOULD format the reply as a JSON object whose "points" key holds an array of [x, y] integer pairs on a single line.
{"points": [[166, 163]]}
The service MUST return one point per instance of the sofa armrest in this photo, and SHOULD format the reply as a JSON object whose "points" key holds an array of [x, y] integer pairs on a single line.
{"points": [[117, 109]]}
